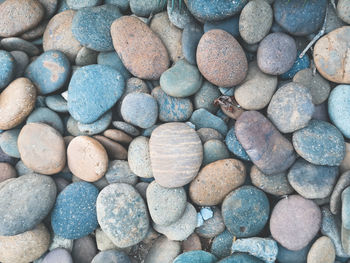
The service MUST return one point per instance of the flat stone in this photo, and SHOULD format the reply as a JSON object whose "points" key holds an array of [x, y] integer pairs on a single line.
{"points": [[322, 251], [163, 250], [206, 134], [197, 255], [122, 4], [191, 35], [202, 118], [114, 150], [111, 256], [98, 126], [139, 157], [37, 31], [126, 127], [8, 68], [47, 116]]}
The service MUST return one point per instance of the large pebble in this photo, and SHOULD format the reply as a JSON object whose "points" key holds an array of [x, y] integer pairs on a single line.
{"points": [[191, 35], [111, 256], [139, 157], [196, 256], [122, 214], [322, 251], [221, 59], [141, 50], [266, 147], [320, 143], [202, 118], [8, 68], [163, 251], [216, 180], [58, 255], [295, 221], [176, 154]]}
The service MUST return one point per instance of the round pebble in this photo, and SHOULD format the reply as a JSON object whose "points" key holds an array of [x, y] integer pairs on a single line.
{"points": [[8, 142], [117, 136], [111, 256], [139, 157], [163, 250], [47, 116], [202, 118], [234, 146], [7, 69], [112, 59], [56, 103], [58, 255], [15, 43], [322, 251], [196, 256], [120, 172], [7, 171], [214, 150]]}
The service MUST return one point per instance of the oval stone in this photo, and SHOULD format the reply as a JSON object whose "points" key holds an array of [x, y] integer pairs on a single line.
{"points": [[6, 172], [163, 250], [57, 255], [176, 154], [191, 35], [8, 67], [322, 251], [111, 256], [139, 157], [202, 118]]}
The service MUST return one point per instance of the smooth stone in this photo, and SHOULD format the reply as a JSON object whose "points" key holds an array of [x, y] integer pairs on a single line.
{"points": [[112, 59], [11, 113], [221, 59], [343, 10], [255, 21], [8, 142], [61, 183], [320, 143], [294, 222], [19, 16], [47, 116], [276, 184], [206, 134], [98, 126], [291, 107], [214, 150], [87, 158], [78, 4], [288, 256], [25, 247], [139, 157], [251, 216], [58, 35], [240, 258], [102, 241], [322, 251], [186, 85], [257, 89], [122, 4], [56, 103], [230, 25], [6, 158], [49, 72], [58, 255], [178, 14], [266, 147], [146, 7], [92, 91], [120, 172], [191, 35], [342, 183], [214, 181], [163, 250], [84, 249], [26, 209], [191, 243], [345, 164], [22, 169], [86, 57], [15, 43], [318, 86], [205, 96], [72, 127], [221, 245], [234, 146], [213, 226], [118, 136], [36, 32], [165, 205], [111, 256], [21, 62], [345, 198], [299, 64], [176, 154], [7, 171], [202, 118], [8, 68], [197, 256], [122, 214], [141, 187], [312, 181], [276, 53], [60, 242], [300, 18], [130, 36], [126, 127]]}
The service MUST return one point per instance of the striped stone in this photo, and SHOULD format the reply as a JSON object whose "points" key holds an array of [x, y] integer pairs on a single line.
{"points": [[176, 154]]}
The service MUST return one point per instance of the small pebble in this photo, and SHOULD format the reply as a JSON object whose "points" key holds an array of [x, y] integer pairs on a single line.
{"points": [[202, 118], [8, 68], [195, 256], [322, 251], [8, 142], [139, 157], [58, 255], [163, 250]]}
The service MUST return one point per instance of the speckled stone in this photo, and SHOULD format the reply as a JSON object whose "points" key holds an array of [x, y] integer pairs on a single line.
{"points": [[56, 103], [47, 116], [221, 245], [146, 7], [122, 4], [58, 255], [163, 250], [21, 60], [195, 256], [8, 142], [111, 256], [178, 14], [230, 25], [26, 209], [175, 164], [342, 183], [129, 36], [221, 59], [299, 64], [191, 35], [84, 249], [206, 134], [7, 171], [126, 127], [213, 226], [102, 241], [266, 147], [240, 258], [8, 68], [205, 97], [214, 150], [98, 126], [36, 32], [202, 118], [113, 60], [122, 214], [234, 146], [295, 221], [119, 172], [78, 4], [15, 43], [322, 251], [343, 10], [139, 157], [320, 143]]}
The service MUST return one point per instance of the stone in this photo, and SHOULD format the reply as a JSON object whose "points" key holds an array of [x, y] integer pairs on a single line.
{"points": [[111, 256], [165, 205], [139, 157], [37, 31], [163, 251], [342, 183], [49, 72], [78, 4], [47, 116], [15, 43], [289, 256], [122, 214], [300, 18], [141, 187], [343, 10], [12, 114], [87, 158], [117, 136], [299, 64], [345, 209], [294, 222], [56, 103], [205, 96], [58, 255], [214, 150], [126, 127], [98, 126], [8, 68], [86, 57], [206, 134], [345, 164], [256, 90], [241, 258], [191, 35], [255, 21], [122, 4], [269, 150], [202, 118], [212, 226], [214, 181], [21, 62], [8, 142], [191, 243], [130, 36], [234, 146], [221, 59], [120, 172], [7, 171], [320, 143], [178, 14], [276, 53], [114, 150], [251, 215], [102, 240], [230, 25], [195, 256], [175, 164], [322, 251], [221, 245], [42, 148], [112, 59], [145, 7], [84, 249]]}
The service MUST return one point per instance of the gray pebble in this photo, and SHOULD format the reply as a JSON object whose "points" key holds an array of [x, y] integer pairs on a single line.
{"points": [[342, 183]]}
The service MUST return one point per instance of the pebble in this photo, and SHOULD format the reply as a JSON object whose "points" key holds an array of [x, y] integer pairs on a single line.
{"points": [[22, 169], [221, 59], [120, 172], [181, 80], [126, 127], [295, 221], [21, 61], [117, 135], [256, 90], [86, 57], [179, 15], [42, 148], [176, 154], [122, 4], [47, 116], [221, 245], [25, 247], [8, 68], [78, 4], [300, 18], [97, 126], [163, 250], [60, 242], [112, 59], [114, 150], [191, 35], [7, 172], [15, 43], [141, 50], [111, 256], [329, 55], [205, 97], [206, 134], [214, 150], [11, 113], [299, 64], [102, 240], [146, 7], [8, 142], [58, 255], [342, 183], [322, 251], [193, 242], [343, 10], [289, 256], [276, 53], [139, 157], [195, 256], [269, 151], [320, 143], [248, 218], [230, 25], [234, 146], [84, 249], [241, 258], [36, 32], [202, 118], [345, 164], [255, 21], [92, 91], [291, 107], [212, 226], [345, 209], [122, 214], [165, 205], [56, 103], [216, 180]]}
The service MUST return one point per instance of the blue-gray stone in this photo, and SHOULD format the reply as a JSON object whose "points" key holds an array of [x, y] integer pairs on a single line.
{"points": [[8, 142], [25, 202], [146, 7], [58, 255], [4, 158], [7, 68], [91, 26], [74, 214], [289, 256], [300, 17], [97, 126], [227, 91], [213, 223], [214, 150], [235, 146], [40, 102], [22, 169], [205, 97], [72, 127], [221, 246], [312, 181], [191, 35], [320, 143], [122, 4], [119, 172], [179, 17], [56, 103], [15, 43], [62, 6], [195, 256], [299, 64], [339, 108], [45, 115], [214, 10], [111, 256], [202, 118], [230, 25], [240, 258], [22, 61], [126, 127], [251, 216], [147, 132], [113, 60], [92, 91], [345, 212], [78, 4], [171, 108]]}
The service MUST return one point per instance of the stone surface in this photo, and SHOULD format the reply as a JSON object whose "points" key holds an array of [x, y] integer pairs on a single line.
{"points": [[234, 146], [345, 209], [193, 242], [117, 136], [145, 7], [288, 256], [163, 251], [206, 134], [97, 126], [119, 172], [112, 59], [58, 255], [78, 4], [111, 256], [322, 251], [103, 242], [195, 256], [221, 246], [205, 96], [139, 157], [16, 43], [56, 103], [345, 164], [22, 61], [178, 14], [126, 127], [343, 10], [47, 116], [7, 171], [342, 183], [191, 35], [213, 226], [8, 68], [114, 150], [214, 150], [299, 64], [84, 249], [8, 142], [241, 258], [202, 118]]}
